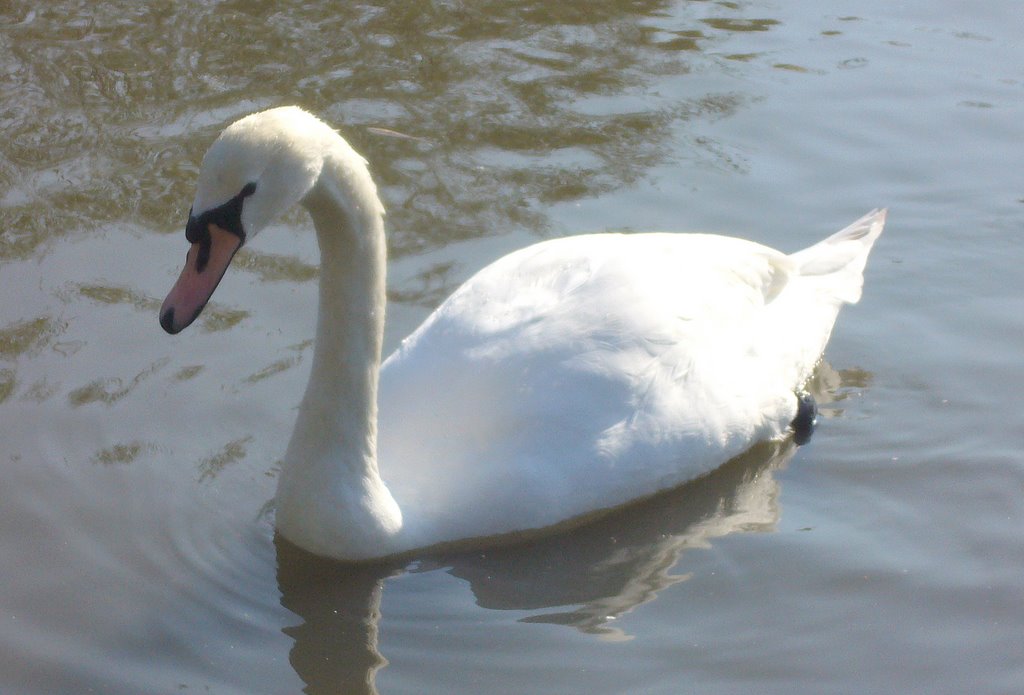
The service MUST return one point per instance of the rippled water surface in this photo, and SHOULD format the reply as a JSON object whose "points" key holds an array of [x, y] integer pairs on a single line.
{"points": [[136, 536]]}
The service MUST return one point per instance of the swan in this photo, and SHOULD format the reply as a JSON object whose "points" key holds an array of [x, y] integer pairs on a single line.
{"points": [[569, 377]]}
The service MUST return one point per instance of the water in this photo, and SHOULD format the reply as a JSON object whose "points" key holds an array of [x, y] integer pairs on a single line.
{"points": [[135, 524]]}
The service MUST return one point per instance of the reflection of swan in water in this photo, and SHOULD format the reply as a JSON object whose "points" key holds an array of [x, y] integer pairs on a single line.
{"points": [[622, 561], [583, 578], [336, 645]]}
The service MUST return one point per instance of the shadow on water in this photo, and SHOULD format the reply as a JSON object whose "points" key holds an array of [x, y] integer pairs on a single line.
{"points": [[599, 571]]}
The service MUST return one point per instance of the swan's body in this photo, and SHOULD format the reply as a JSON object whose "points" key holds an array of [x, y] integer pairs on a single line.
{"points": [[569, 377]]}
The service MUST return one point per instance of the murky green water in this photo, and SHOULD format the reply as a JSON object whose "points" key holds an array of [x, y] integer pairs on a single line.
{"points": [[135, 527]]}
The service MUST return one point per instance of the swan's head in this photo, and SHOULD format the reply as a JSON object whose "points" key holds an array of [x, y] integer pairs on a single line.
{"points": [[259, 167]]}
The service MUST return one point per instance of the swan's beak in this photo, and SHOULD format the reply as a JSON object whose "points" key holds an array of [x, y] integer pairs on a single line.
{"points": [[205, 264]]}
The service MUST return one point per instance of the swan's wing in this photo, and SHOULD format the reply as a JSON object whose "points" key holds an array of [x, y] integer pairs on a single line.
{"points": [[581, 373]]}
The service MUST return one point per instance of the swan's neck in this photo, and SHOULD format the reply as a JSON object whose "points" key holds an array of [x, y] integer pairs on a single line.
{"points": [[331, 499]]}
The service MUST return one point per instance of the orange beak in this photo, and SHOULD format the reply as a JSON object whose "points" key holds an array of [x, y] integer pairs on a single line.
{"points": [[205, 264]]}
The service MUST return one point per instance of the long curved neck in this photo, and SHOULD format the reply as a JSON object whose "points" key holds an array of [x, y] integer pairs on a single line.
{"points": [[331, 499], [342, 393]]}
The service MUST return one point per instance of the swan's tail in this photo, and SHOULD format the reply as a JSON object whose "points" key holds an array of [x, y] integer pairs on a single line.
{"points": [[838, 262]]}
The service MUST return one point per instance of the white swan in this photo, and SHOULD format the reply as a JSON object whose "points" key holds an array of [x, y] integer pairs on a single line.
{"points": [[569, 377]]}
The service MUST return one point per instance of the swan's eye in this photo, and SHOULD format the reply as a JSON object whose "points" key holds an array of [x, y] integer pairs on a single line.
{"points": [[227, 216]]}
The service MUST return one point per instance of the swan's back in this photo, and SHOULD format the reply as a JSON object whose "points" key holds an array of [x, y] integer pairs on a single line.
{"points": [[581, 373]]}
